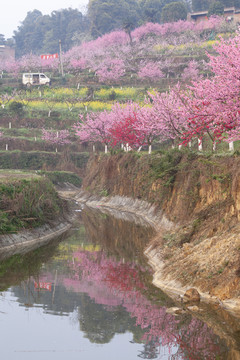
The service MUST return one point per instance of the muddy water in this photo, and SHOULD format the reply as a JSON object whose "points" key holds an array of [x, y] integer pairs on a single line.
{"points": [[88, 296]]}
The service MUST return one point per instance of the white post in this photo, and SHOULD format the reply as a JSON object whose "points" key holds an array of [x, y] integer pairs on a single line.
{"points": [[93, 148], [214, 146], [150, 149], [57, 134], [199, 145], [35, 138], [56, 150], [190, 144], [78, 86], [6, 147], [180, 146], [85, 107], [231, 146], [10, 125], [106, 149]]}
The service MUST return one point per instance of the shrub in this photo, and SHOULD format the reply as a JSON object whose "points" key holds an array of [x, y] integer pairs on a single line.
{"points": [[28, 203], [16, 108]]}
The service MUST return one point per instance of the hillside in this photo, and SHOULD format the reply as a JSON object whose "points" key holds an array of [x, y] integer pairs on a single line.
{"points": [[152, 54]]}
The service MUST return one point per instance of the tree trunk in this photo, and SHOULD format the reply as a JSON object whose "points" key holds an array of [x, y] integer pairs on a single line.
{"points": [[231, 146], [200, 148]]}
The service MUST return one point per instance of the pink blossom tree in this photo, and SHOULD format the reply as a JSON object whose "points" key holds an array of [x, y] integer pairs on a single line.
{"points": [[111, 69], [123, 120], [12, 66], [60, 137], [148, 125], [214, 104], [50, 64], [169, 111], [124, 132], [151, 71], [78, 64], [191, 72], [30, 63], [6, 98], [95, 128]]}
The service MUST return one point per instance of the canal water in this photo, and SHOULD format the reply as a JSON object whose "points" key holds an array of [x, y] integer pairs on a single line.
{"points": [[88, 295]]}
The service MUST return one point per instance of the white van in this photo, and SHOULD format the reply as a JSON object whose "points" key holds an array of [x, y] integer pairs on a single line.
{"points": [[29, 79]]}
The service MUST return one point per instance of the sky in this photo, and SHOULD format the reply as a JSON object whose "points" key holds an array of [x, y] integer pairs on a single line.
{"points": [[14, 12]]}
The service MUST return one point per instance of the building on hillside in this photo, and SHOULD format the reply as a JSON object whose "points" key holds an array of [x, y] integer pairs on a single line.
{"points": [[6, 52], [230, 14]]}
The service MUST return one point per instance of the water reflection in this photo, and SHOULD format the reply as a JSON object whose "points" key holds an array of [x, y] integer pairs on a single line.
{"points": [[122, 238], [97, 281]]}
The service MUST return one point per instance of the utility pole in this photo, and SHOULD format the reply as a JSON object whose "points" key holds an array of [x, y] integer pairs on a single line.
{"points": [[60, 56]]}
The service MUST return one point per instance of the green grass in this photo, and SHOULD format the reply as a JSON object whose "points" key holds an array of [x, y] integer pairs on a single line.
{"points": [[27, 202], [37, 160], [165, 166], [12, 175], [61, 177]]}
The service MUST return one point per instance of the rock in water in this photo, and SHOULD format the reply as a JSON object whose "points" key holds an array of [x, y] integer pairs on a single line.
{"points": [[194, 308], [175, 311], [191, 295]]}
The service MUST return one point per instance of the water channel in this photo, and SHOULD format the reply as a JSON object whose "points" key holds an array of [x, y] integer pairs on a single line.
{"points": [[88, 295]]}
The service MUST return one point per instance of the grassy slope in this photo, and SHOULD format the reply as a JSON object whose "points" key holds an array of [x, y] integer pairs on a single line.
{"points": [[27, 201]]}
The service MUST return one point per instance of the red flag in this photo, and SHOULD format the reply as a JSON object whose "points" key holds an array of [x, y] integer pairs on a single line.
{"points": [[49, 56], [43, 285]]}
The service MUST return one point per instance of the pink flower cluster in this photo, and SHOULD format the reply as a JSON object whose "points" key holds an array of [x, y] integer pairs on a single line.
{"points": [[208, 106], [112, 55], [60, 137], [111, 69], [150, 71], [176, 27]]}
